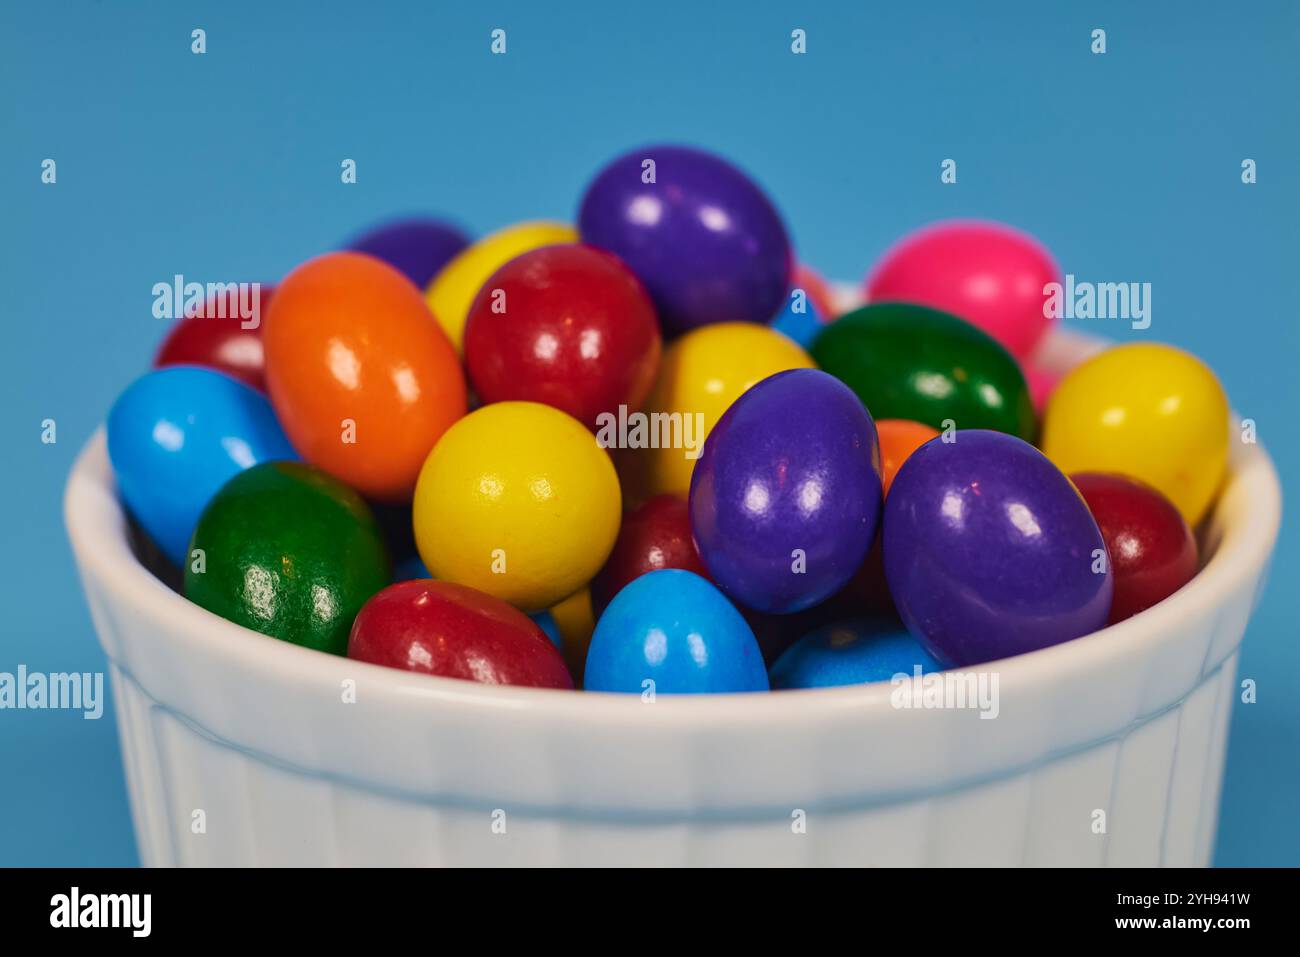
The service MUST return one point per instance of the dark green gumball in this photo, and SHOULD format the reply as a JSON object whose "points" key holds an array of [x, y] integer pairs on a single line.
{"points": [[290, 552], [910, 362]]}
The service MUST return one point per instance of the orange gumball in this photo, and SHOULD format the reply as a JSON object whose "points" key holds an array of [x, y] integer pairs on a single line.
{"points": [[899, 438], [363, 378]]}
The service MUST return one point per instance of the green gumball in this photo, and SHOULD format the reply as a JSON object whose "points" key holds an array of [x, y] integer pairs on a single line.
{"points": [[911, 362], [287, 550]]}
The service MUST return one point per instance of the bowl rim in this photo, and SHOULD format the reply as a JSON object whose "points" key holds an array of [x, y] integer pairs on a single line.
{"points": [[97, 528]]}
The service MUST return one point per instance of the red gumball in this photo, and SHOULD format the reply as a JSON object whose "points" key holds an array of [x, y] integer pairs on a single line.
{"points": [[989, 274], [654, 535], [229, 344], [441, 628], [1152, 551], [569, 326]]}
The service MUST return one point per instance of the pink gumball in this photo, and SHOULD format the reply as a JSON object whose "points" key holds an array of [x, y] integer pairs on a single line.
{"points": [[1040, 384], [987, 273]]}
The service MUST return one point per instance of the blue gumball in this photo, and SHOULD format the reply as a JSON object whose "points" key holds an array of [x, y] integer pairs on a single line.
{"points": [[852, 652], [799, 319], [176, 435], [674, 629], [546, 621]]}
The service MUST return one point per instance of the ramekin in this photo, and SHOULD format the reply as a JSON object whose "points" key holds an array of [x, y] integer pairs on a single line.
{"points": [[243, 750]]}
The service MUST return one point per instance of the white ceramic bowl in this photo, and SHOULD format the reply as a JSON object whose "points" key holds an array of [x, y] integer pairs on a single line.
{"points": [[241, 750]]}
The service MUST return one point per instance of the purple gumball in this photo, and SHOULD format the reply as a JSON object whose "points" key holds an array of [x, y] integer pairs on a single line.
{"points": [[418, 248], [703, 238], [990, 551], [785, 498]]}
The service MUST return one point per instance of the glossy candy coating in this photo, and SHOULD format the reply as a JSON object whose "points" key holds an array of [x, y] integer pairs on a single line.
{"points": [[175, 436], [899, 438], [852, 652], [517, 500], [417, 247], [1147, 410], [453, 289], [704, 372], [232, 344], [290, 552], [654, 535], [987, 273], [569, 326], [673, 628], [990, 551], [911, 362], [1152, 551], [803, 325], [441, 628], [786, 497], [352, 353], [704, 239]]}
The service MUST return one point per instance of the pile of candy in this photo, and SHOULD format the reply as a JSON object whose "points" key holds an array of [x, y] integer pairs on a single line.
{"points": [[643, 453]]}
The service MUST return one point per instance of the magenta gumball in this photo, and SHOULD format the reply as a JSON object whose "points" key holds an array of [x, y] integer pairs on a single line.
{"points": [[786, 496], [989, 274], [990, 551], [703, 238]]}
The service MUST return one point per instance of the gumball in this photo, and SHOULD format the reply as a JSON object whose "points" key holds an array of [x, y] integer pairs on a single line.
{"points": [[1041, 385], [417, 248], [786, 497], [1152, 551], [704, 239], [175, 436], [671, 632], [853, 652], [517, 500], [361, 376], [990, 551], [575, 620], [777, 633], [899, 438], [1146, 410], [545, 621], [656, 534], [910, 362], [987, 273], [799, 319], [441, 628], [223, 338], [702, 373], [290, 552], [818, 290], [568, 326], [452, 291]]}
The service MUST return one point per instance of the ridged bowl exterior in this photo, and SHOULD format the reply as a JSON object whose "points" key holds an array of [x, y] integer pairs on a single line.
{"points": [[1107, 751]]}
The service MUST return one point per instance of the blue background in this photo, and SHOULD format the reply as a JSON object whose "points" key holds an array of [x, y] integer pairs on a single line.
{"points": [[226, 166]]}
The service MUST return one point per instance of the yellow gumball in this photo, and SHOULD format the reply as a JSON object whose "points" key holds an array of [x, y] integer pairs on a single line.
{"points": [[703, 372], [452, 291], [519, 501], [576, 622], [1149, 411]]}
